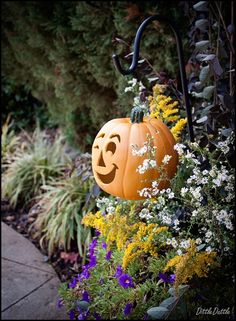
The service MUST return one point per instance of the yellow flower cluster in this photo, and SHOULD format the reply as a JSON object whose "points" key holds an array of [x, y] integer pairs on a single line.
{"points": [[191, 263], [116, 228], [178, 127], [166, 109], [142, 242]]}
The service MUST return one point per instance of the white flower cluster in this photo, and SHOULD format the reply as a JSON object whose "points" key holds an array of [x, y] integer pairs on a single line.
{"points": [[133, 83], [179, 148], [136, 151], [166, 159], [224, 217], [225, 145], [146, 214], [147, 164], [107, 204]]}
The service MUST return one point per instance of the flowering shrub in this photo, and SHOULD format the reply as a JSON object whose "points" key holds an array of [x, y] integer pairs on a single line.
{"points": [[145, 251]]}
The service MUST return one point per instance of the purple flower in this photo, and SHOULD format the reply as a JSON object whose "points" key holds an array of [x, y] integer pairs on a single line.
{"points": [[104, 245], [97, 232], [108, 256], [128, 309], [59, 303], [85, 274], [85, 296], [92, 247], [83, 315], [97, 316], [92, 262], [72, 315], [119, 271], [166, 278], [172, 278], [73, 283], [126, 281]]}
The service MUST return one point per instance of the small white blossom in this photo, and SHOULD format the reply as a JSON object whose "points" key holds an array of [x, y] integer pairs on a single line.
{"points": [[166, 159], [179, 252], [198, 240]]}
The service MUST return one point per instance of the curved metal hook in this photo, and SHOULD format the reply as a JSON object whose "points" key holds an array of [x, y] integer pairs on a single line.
{"points": [[134, 63]]}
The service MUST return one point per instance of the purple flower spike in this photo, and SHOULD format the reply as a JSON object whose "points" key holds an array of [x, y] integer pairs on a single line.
{"points": [[73, 283], [85, 296], [108, 256], [166, 278], [97, 232], [128, 309], [104, 245], [59, 303], [72, 315], [92, 262], [172, 278], [119, 271], [126, 281]]}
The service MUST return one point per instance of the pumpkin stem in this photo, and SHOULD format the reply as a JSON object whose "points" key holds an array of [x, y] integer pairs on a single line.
{"points": [[136, 115]]}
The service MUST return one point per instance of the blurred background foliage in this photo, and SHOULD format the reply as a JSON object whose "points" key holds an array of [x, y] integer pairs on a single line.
{"points": [[57, 66]]}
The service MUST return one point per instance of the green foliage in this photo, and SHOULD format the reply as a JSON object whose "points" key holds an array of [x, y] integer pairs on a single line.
{"points": [[63, 50], [25, 110], [62, 206], [33, 166], [9, 143]]}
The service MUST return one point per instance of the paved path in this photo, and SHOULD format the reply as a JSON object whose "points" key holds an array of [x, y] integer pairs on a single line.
{"points": [[29, 285]]}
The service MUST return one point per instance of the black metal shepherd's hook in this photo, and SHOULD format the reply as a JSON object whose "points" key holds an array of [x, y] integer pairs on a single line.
{"points": [[181, 63]]}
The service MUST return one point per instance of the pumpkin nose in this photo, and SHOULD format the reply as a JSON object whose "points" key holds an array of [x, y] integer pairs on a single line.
{"points": [[101, 161]]}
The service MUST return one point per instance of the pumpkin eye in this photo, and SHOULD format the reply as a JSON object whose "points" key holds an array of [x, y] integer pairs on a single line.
{"points": [[111, 147]]}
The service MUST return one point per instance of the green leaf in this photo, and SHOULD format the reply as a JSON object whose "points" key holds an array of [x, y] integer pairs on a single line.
{"points": [[204, 73], [157, 313], [201, 6], [208, 91], [169, 302], [181, 290], [201, 45], [202, 120], [201, 24], [83, 305]]}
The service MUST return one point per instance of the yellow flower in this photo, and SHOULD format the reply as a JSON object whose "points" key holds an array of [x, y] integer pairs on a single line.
{"points": [[190, 264], [177, 129]]}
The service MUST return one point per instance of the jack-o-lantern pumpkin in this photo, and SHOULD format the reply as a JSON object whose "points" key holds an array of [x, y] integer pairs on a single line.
{"points": [[115, 166]]}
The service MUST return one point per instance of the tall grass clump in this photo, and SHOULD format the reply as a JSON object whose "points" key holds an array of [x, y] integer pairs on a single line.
{"points": [[41, 161], [9, 143], [62, 207]]}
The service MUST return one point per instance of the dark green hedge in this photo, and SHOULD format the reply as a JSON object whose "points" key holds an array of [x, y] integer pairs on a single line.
{"points": [[62, 52]]}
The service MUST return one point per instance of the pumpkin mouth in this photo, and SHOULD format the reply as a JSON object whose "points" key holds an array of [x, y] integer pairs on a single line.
{"points": [[108, 178]]}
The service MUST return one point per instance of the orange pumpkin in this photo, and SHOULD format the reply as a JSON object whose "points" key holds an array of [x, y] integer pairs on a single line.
{"points": [[114, 165]]}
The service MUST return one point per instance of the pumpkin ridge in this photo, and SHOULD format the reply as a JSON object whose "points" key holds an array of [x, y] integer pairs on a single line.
{"points": [[123, 182]]}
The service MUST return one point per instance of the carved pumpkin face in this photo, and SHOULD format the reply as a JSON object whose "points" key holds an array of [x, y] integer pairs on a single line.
{"points": [[114, 165]]}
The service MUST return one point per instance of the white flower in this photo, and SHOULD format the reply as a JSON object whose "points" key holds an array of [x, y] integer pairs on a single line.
{"points": [[184, 244], [176, 222], [209, 234], [168, 190], [174, 242], [179, 148], [179, 252], [198, 240], [171, 195], [168, 241], [205, 172], [194, 213], [166, 159], [166, 220], [183, 191], [204, 180], [209, 249]]}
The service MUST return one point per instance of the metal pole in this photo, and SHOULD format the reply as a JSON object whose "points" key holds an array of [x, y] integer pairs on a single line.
{"points": [[135, 58]]}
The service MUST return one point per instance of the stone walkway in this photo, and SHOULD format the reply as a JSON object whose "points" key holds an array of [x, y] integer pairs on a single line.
{"points": [[29, 285]]}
